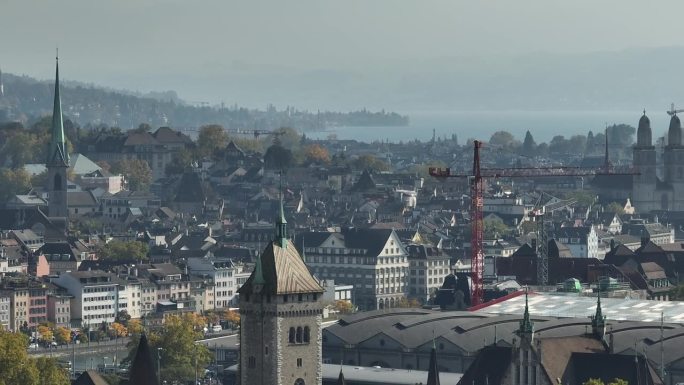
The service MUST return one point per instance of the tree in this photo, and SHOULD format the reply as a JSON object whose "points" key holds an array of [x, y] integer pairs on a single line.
{"points": [[278, 158], [13, 182], [406, 303], [123, 317], [343, 306], [50, 372], [584, 198], [370, 162], [494, 228], [118, 330], [62, 335], [597, 381], [135, 326], [316, 154], [288, 137], [529, 146], [615, 207], [45, 333], [177, 338], [137, 172], [123, 251], [211, 138], [501, 138], [16, 367], [180, 161], [232, 317]]}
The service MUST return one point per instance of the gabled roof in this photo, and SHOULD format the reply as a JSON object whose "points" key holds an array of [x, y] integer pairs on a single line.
{"points": [[190, 189], [284, 272], [82, 165], [142, 368], [489, 367], [90, 377]]}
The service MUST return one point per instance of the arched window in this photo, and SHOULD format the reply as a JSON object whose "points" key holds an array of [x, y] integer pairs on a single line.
{"points": [[292, 335], [299, 381], [251, 362], [57, 185], [307, 333], [299, 334]]}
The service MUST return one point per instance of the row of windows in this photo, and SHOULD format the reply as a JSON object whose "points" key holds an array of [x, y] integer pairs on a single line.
{"points": [[98, 307], [103, 289], [99, 316], [103, 298], [299, 335]]}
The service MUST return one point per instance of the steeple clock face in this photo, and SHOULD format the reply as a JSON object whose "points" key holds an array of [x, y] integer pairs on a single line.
{"points": [[299, 381]]}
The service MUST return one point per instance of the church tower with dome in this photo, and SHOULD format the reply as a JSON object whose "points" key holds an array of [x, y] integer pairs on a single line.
{"points": [[649, 191], [644, 160]]}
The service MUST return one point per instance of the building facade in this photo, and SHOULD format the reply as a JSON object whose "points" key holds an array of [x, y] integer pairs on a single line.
{"points": [[94, 296]]}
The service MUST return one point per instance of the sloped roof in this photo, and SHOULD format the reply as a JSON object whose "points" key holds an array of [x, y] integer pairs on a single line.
{"points": [[489, 366], [90, 377], [556, 352], [190, 189], [82, 165], [142, 367], [284, 272]]}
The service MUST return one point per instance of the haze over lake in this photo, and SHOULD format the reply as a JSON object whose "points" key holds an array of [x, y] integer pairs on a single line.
{"points": [[543, 125]]}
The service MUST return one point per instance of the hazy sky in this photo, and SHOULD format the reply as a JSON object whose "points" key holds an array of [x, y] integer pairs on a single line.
{"points": [[151, 44]]}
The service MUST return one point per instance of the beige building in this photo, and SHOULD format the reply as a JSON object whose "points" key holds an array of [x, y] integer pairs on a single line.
{"points": [[374, 261]]}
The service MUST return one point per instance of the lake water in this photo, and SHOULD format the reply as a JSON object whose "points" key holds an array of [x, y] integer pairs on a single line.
{"points": [[543, 125]]}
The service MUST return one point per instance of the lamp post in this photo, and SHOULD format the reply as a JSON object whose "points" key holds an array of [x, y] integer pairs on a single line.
{"points": [[159, 364]]}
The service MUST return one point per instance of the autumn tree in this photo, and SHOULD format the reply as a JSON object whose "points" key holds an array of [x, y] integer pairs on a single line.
{"points": [[316, 154], [136, 171], [135, 326], [343, 306], [62, 335], [45, 333], [17, 367], [13, 182], [232, 317], [408, 303], [177, 338], [211, 138]]}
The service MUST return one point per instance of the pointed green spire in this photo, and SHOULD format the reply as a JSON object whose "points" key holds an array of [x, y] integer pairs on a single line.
{"points": [[526, 324], [57, 153], [598, 320]]}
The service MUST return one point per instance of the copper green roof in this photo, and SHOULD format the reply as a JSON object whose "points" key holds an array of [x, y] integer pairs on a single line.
{"points": [[57, 153]]}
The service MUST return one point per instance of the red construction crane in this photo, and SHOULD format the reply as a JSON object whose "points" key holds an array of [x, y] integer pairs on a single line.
{"points": [[477, 203]]}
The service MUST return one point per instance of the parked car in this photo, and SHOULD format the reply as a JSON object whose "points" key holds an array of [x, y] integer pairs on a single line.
{"points": [[33, 346], [216, 328]]}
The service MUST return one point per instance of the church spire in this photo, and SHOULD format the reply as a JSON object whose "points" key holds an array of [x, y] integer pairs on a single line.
{"points": [[526, 324], [281, 223], [598, 320], [433, 371], [58, 151], [340, 378]]}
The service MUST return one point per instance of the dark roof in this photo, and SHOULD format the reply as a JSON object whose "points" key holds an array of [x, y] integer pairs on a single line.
{"points": [[433, 371], [81, 198], [365, 182], [489, 367], [90, 377], [607, 367], [190, 189], [142, 368], [167, 135]]}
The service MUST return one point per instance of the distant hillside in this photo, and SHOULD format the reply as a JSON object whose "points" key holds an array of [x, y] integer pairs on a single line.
{"points": [[27, 98]]}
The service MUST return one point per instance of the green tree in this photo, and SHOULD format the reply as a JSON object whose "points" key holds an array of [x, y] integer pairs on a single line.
{"points": [[502, 138], [13, 182], [370, 162], [584, 198], [50, 372], [597, 381], [177, 338], [136, 171], [529, 146], [615, 207], [180, 161], [124, 251], [494, 228], [278, 157], [211, 138], [288, 137]]}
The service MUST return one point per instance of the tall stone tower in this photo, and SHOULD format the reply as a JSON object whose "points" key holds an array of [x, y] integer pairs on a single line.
{"points": [[281, 313], [57, 160], [674, 166], [644, 160]]}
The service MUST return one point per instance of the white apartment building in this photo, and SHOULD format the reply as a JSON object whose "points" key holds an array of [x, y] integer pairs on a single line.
{"points": [[95, 296], [130, 297], [5, 312], [223, 273], [374, 261]]}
